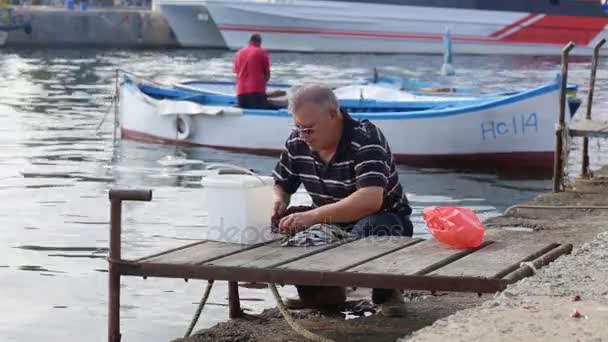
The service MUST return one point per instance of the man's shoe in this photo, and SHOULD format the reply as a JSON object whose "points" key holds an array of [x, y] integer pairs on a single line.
{"points": [[324, 298], [297, 304], [394, 306]]}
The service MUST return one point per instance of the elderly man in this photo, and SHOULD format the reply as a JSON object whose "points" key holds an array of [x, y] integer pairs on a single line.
{"points": [[347, 168]]}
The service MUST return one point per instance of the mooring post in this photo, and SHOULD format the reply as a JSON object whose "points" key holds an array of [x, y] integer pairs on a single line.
{"points": [[114, 300], [596, 53], [558, 163], [116, 198], [234, 302]]}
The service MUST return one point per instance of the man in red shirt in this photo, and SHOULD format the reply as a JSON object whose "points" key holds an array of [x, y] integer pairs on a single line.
{"points": [[252, 69]]}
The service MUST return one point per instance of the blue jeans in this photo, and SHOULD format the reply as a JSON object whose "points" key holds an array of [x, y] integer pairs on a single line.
{"points": [[381, 224]]}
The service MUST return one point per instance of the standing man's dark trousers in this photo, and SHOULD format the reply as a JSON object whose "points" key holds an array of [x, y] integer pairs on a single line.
{"points": [[253, 101], [382, 224]]}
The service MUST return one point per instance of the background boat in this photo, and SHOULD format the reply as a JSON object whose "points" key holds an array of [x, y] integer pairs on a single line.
{"points": [[191, 23], [11, 22], [390, 26], [498, 134]]}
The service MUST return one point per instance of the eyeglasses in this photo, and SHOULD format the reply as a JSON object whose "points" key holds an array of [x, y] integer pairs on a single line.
{"points": [[303, 131]]}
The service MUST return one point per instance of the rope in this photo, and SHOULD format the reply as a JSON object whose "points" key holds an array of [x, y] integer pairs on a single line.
{"points": [[292, 323], [529, 206], [112, 103], [138, 78], [201, 305], [106, 114], [116, 101], [530, 265], [110, 107]]}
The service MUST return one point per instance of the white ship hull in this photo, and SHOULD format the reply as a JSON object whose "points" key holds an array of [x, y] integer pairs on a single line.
{"points": [[357, 27], [192, 24]]}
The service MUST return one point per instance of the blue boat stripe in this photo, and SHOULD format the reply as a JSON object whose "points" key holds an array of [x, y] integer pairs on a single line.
{"points": [[460, 107], [431, 113]]}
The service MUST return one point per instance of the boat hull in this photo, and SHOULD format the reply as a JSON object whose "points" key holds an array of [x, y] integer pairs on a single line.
{"points": [[312, 26], [513, 164], [192, 25], [511, 135]]}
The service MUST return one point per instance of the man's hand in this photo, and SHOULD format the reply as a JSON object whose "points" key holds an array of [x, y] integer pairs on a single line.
{"points": [[281, 202], [297, 222], [280, 206]]}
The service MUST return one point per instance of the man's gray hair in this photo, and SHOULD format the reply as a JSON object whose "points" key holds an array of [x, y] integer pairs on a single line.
{"points": [[318, 94]]}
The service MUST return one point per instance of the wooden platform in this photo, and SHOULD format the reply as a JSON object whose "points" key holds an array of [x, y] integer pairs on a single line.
{"points": [[393, 262], [371, 262], [589, 128]]}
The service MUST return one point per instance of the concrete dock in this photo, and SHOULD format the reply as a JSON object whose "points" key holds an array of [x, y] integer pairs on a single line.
{"points": [[118, 28]]}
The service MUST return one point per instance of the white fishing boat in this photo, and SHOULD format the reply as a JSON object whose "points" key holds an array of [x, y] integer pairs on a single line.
{"points": [[511, 132]]}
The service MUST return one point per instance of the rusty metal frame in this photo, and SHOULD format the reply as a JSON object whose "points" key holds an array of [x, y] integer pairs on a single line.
{"points": [[140, 267], [594, 63], [312, 278], [526, 271], [558, 163], [529, 258], [116, 197]]}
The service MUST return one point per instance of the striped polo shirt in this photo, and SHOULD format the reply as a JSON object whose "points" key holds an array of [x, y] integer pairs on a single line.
{"points": [[363, 159]]}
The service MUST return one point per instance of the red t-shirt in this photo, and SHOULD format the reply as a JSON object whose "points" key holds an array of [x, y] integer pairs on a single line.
{"points": [[252, 69]]}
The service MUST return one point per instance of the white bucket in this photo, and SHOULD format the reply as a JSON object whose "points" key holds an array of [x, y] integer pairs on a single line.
{"points": [[239, 208]]}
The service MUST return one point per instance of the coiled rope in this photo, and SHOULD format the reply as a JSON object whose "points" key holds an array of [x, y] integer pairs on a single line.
{"points": [[201, 305], [530, 206], [291, 321]]}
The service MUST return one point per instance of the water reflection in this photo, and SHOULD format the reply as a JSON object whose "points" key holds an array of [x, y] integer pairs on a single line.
{"points": [[57, 168]]}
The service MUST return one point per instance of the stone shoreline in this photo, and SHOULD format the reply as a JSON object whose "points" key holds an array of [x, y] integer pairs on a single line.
{"points": [[566, 301]]}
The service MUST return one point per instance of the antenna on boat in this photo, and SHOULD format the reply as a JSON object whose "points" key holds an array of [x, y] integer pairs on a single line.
{"points": [[447, 69], [375, 75]]}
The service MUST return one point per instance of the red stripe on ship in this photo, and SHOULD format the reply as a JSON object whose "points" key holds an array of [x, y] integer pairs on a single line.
{"points": [[551, 29], [371, 34], [513, 25], [559, 29]]}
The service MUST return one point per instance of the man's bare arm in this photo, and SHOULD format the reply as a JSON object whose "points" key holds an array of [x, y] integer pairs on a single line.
{"points": [[359, 204]]}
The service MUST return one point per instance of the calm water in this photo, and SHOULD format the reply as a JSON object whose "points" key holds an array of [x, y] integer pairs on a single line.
{"points": [[57, 168]]}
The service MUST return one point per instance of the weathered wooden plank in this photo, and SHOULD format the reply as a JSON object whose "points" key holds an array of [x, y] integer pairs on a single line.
{"points": [[589, 128], [200, 253], [418, 259], [169, 251], [320, 278], [493, 259], [350, 254], [272, 255]]}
